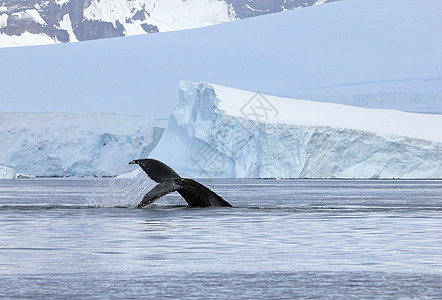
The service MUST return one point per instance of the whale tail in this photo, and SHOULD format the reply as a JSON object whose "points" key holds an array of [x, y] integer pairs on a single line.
{"points": [[169, 181], [159, 191], [156, 170]]}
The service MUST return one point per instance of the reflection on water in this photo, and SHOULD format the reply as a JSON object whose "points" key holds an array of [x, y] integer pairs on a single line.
{"points": [[283, 238]]}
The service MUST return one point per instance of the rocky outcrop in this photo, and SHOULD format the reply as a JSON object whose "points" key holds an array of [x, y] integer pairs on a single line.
{"points": [[246, 9]]}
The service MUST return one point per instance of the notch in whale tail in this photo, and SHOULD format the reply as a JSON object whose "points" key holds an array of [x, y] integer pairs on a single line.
{"points": [[169, 181]]}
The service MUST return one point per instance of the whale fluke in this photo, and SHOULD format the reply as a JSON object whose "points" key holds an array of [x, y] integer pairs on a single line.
{"points": [[195, 194], [159, 191], [156, 170]]}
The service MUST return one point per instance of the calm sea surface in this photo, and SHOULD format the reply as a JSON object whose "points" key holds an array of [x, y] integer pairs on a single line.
{"points": [[283, 239]]}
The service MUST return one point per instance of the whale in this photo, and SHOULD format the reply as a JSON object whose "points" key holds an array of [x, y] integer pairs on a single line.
{"points": [[195, 194]]}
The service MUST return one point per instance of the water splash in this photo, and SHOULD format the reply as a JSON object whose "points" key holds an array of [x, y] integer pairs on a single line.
{"points": [[119, 192]]}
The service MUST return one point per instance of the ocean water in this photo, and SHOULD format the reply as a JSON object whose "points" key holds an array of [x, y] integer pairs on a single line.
{"points": [[283, 239]]}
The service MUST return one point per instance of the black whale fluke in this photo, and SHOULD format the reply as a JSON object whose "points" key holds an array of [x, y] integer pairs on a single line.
{"points": [[169, 181]]}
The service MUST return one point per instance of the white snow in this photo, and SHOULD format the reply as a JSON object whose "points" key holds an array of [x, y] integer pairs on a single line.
{"points": [[32, 14], [166, 15], [25, 39], [177, 14], [379, 59], [365, 53], [107, 10], [311, 113], [320, 2], [61, 144], [208, 136], [61, 2], [3, 20], [66, 24]]}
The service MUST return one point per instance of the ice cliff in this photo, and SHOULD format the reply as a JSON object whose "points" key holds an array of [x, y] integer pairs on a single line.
{"points": [[61, 144], [8, 173], [217, 131]]}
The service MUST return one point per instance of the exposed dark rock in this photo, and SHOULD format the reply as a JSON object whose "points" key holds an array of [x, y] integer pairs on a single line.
{"points": [[76, 9], [246, 8], [92, 29], [62, 36], [84, 29], [53, 13], [139, 15], [150, 28]]}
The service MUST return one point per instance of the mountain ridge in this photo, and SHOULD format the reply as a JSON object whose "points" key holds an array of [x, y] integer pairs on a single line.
{"points": [[33, 22]]}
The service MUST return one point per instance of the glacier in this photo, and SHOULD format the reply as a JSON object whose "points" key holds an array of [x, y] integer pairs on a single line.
{"points": [[216, 131], [74, 145]]}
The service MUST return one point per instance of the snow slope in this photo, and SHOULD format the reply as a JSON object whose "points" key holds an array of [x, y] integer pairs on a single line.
{"points": [[216, 131], [369, 53], [60, 144]]}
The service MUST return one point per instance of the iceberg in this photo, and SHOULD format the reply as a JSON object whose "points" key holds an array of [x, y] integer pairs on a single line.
{"points": [[216, 131], [74, 145], [9, 173]]}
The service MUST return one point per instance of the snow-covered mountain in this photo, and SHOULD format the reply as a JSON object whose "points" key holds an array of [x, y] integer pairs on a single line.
{"points": [[60, 144], [216, 131], [32, 22], [365, 53]]}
